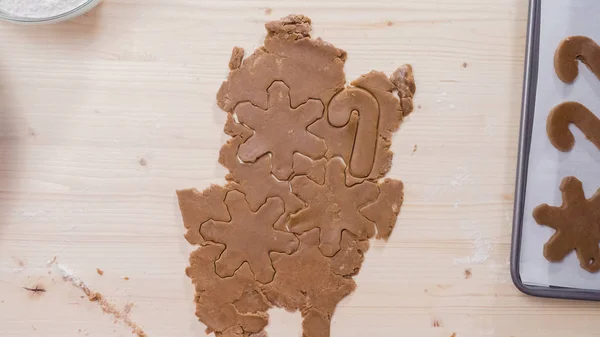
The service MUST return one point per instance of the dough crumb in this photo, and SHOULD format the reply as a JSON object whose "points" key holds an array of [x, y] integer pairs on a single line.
{"points": [[126, 278], [292, 27], [237, 55], [436, 323], [268, 11], [404, 81], [468, 273], [464, 65], [414, 149], [100, 271], [389, 23]]}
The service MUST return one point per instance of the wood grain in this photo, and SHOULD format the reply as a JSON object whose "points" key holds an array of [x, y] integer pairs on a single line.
{"points": [[104, 117]]}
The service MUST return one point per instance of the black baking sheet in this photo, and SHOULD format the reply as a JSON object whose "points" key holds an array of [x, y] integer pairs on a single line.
{"points": [[540, 166]]}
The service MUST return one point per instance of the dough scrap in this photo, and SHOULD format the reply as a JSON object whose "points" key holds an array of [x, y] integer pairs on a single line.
{"points": [[303, 196], [311, 68], [384, 212], [237, 55], [280, 130], [577, 225], [349, 259], [307, 280], [404, 80], [236, 130], [215, 296], [199, 207], [333, 207], [567, 113], [313, 169], [249, 237], [573, 49]]}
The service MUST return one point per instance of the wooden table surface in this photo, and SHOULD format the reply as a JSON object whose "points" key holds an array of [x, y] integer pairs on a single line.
{"points": [[104, 117]]}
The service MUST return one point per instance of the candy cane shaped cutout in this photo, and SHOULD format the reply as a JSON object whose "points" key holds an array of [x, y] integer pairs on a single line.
{"points": [[567, 113], [573, 49], [340, 109]]}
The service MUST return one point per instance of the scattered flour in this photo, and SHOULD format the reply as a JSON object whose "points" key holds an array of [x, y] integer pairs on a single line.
{"points": [[462, 178], [70, 276], [482, 247], [481, 252], [487, 129], [37, 9], [31, 214], [106, 306]]}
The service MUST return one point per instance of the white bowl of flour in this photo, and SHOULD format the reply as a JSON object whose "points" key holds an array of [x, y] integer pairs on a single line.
{"points": [[43, 11]]}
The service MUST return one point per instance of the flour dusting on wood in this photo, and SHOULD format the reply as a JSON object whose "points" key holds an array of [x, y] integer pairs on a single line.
{"points": [[109, 308]]}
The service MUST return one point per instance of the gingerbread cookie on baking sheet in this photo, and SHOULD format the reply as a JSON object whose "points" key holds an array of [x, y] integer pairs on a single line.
{"points": [[568, 113], [577, 225], [572, 50]]}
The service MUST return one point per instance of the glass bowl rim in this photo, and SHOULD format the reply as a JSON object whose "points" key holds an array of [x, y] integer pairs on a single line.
{"points": [[88, 4]]}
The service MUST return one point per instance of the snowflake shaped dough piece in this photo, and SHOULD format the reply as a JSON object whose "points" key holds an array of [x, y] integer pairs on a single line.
{"points": [[249, 237], [256, 181], [577, 224], [280, 130], [333, 207]]}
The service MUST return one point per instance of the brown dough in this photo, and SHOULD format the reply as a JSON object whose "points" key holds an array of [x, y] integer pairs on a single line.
{"points": [[573, 49], [280, 130], [566, 113], [307, 280], [249, 237], [199, 207], [292, 224], [577, 224], [315, 170], [384, 212], [333, 207], [237, 54], [215, 296], [340, 111], [257, 183], [238, 130], [382, 88], [341, 140], [404, 80], [311, 68], [349, 259]]}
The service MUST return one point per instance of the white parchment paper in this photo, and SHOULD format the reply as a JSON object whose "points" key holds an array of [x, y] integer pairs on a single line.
{"points": [[547, 165]]}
